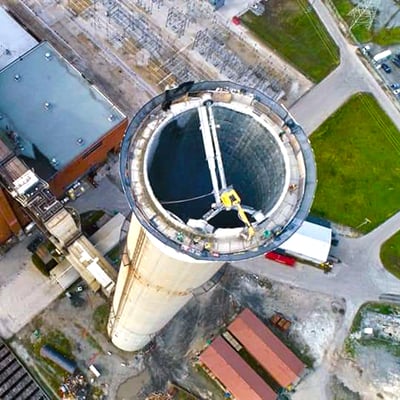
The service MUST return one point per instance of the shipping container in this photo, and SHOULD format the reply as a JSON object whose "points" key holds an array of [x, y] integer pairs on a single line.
{"points": [[63, 362]]}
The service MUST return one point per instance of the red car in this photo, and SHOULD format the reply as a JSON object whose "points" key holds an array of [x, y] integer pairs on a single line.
{"points": [[236, 20], [280, 258]]}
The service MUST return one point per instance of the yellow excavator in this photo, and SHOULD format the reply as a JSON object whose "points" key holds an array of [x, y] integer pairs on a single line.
{"points": [[231, 200], [225, 196]]}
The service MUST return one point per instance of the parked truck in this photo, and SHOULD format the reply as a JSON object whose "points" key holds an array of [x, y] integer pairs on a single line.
{"points": [[382, 55]]}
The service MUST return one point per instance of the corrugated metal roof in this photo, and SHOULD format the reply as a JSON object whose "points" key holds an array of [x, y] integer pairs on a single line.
{"points": [[273, 355], [234, 373], [47, 103], [311, 242], [14, 39], [16, 381]]}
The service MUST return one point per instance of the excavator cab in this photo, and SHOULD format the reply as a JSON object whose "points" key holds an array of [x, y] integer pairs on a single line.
{"points": [[231, 200]]}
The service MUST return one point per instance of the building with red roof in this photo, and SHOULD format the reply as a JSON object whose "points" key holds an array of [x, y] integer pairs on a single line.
{"points": [[234, 373], [270, 352]]}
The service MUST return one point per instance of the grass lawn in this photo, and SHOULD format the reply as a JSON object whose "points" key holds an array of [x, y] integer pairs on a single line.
{"points": [[357, 153], [383, 36], [293, 29], [49, 371], [390, 255], [100, 318]]}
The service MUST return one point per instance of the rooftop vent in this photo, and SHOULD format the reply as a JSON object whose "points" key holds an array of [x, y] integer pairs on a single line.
{"points": [[47, 56], [80, 141], [111, 117], [47, 105], [17, 77], [54, 161]]}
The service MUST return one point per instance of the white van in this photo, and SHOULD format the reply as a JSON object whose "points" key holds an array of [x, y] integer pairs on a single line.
{"points": [[94, 371]]}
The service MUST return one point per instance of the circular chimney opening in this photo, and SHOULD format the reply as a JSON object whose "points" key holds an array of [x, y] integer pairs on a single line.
{"points": [[253, 162]]}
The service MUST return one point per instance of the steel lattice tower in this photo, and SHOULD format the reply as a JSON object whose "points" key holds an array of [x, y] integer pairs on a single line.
{"points": [[364, 13]]}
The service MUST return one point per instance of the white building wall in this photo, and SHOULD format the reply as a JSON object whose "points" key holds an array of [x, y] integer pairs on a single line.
{"points": [[151, 291]]}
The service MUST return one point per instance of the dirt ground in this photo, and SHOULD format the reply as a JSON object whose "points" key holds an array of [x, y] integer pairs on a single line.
{"points": [[173, 354], [88, 345], [373, 371], [214, 310], [373, 375]]}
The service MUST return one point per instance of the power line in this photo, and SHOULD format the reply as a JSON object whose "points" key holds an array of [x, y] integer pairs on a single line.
{"points": [[185, 200]]}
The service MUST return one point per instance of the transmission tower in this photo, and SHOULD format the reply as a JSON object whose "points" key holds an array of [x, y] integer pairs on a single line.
{"points": [[364, 13]]}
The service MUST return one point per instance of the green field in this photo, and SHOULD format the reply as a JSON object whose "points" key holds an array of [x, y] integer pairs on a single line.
{"points": [[384, 36], [390, 255], [357, 153], [293, 29]]}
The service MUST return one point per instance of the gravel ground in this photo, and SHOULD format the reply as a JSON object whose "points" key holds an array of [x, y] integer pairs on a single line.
{"points": [[375, 374], [176, 347], [88, 345], [172, 355], [341, 392]]}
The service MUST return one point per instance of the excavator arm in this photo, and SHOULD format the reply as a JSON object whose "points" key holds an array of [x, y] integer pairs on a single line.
{"points": [[225, 197], [231, 200]]}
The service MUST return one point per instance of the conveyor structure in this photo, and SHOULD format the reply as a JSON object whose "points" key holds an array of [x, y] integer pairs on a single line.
{"points": [[55, 221]]}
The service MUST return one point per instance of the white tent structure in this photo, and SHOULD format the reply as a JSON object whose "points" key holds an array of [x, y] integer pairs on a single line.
{"points": [[311, 242], [14, 39]]}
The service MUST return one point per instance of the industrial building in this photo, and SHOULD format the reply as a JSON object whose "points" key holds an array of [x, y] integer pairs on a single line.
{"points": [[236, 376], [213, 172], [60, 225], [15, 381], [56, 121], [272, 354], [15, 41], [225, 360]]}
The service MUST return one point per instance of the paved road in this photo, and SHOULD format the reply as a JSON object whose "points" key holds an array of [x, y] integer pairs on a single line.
{"points": [[350, 77], [24, 291], [107, 196], [358, 279]]}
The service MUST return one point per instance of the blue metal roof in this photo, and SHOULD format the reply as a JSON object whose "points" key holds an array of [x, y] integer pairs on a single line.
{"points": [[46, 104]]}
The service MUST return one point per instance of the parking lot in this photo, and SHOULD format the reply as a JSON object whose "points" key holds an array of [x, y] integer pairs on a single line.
{"points": [[387, 64]]}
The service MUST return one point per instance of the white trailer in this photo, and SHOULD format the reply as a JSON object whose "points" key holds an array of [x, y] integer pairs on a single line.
{"points": [[382, 55]]}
